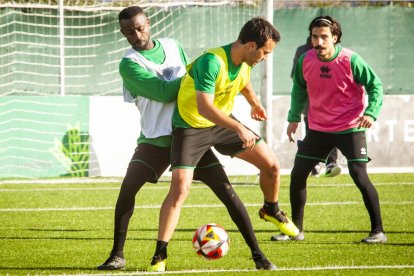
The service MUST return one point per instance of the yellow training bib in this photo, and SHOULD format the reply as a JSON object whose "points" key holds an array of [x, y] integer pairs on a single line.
{"points": [[225, 91]]}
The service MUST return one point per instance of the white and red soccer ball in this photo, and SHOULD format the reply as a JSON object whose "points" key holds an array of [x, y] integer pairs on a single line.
{"points": [[211, 241]]}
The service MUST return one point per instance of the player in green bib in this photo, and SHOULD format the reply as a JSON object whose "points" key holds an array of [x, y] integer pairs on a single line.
{"points": [[151, 72], [203, 120]]}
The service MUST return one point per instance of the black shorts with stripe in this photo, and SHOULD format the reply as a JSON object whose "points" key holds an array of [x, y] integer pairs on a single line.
{"points": [[317, 145], [189, 144], [157, 159]]}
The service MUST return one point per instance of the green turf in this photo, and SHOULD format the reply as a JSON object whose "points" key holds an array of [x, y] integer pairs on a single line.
{"points": [[67, 229]]}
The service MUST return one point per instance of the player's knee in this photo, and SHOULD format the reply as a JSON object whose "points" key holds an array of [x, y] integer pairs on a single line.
{"points": [[272, 169], [178, 194], [357, 169]]}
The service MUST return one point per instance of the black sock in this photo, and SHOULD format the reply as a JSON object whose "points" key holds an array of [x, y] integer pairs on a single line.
{"points": [[119, 254], [161, 249], [271, 207], [215, 177], [257, 255]]}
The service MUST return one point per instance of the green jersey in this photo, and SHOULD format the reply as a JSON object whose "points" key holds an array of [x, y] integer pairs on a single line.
{"points": [[151, 79]]}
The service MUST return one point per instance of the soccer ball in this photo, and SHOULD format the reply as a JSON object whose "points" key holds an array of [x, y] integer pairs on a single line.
{"points": [[211, 241]]}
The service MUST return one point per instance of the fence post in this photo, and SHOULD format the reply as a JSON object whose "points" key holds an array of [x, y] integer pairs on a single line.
{"points": [[62, 47], [267, 82]]}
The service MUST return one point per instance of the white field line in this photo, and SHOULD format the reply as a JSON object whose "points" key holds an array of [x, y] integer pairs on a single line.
{"points": [[146, 187], [104, 208], [316, 268], [62, 181]]}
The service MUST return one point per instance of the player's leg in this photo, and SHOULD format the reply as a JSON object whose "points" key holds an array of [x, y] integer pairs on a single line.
{"points": [[263, 158], [313, 149], [169, 215], [185, 154], [353, 146], [317, 168], [146, 165], [332, 166], [298, 193], [227, 142], [358, 172], [333, 156], [171, 207], [210, 171]]}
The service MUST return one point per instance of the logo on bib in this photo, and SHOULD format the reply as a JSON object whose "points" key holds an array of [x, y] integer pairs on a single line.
{"points": [[167, 74], [325, 72], [363, 151]]}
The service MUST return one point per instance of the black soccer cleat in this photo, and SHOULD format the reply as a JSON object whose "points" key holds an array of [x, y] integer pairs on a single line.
{"points": [[332, 170], [113, 263], [262, 263]]}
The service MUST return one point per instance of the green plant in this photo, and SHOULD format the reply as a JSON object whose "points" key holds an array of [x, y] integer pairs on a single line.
{"points": [[73, 151]]}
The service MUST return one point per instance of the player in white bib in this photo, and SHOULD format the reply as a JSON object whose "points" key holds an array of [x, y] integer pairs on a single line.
{"points": [[151, 72]]}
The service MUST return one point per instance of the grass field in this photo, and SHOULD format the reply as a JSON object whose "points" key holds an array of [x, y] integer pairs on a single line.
{"points": [[51, 227]]}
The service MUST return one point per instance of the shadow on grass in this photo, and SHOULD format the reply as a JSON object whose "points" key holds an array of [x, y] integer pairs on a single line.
{"points": [[61, 230], [75, 238], [63, 270], [191, 230], [190, 233], [48, 269], [334, 231]]}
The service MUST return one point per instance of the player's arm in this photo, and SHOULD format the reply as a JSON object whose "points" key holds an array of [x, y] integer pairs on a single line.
{"points": [[298, 53], [141, 82], [207, 109], [258, 112], [298, 99], [204, 73], [364, 75]]}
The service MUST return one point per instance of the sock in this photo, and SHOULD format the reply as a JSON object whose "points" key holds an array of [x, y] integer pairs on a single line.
{"points": [[119, 254], [161, 249], [257, 255], [215, 177], [271, 207]]}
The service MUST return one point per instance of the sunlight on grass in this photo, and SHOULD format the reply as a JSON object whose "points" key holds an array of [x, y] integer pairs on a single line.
{"points": [[68, 228]]}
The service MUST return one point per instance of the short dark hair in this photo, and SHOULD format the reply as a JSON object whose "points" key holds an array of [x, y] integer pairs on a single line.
{"points": [[130, 12], [258, 30], [327, 21]]}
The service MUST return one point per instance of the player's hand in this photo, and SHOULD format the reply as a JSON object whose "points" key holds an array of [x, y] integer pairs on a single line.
{"points": [[291, 129], [365, 121], [248, 138], [258, 113]]}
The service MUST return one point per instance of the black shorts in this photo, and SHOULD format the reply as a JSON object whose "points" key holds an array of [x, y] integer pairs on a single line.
{"points": [[189, 144], [157, 159], [317, 145]]}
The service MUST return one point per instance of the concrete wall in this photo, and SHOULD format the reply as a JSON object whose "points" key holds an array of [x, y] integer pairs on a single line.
{"points": [[114, 128]]}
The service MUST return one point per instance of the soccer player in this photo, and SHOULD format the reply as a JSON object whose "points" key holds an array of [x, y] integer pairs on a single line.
{"points": [[203, 119], [151, 72], [332, 79], [332, 167]]}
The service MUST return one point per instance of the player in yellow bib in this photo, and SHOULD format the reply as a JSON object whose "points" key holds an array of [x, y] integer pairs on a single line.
{"points": [[225, 88], [203, 120], [151, 72]]}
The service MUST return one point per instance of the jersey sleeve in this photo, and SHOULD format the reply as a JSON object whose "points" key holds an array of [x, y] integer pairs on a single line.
{"points": [[205, 72], [299, 94], [141, 82], [364, 75]]}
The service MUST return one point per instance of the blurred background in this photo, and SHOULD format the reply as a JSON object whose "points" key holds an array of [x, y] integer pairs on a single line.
{"points": [[61, 106]]}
